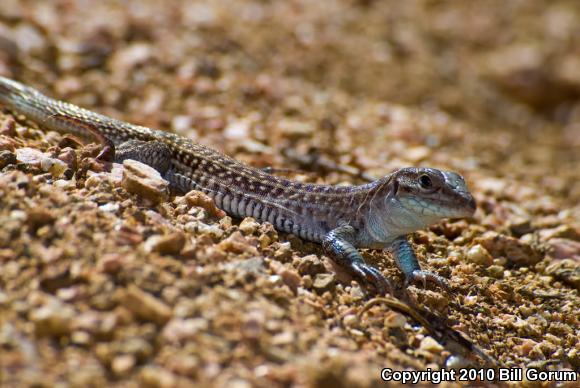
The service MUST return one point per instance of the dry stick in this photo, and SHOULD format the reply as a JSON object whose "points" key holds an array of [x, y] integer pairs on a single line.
{"points": [[455, 341], [317, 160]]}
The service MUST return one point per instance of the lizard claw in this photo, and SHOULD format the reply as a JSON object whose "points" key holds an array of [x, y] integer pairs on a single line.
{"points": [[370, 275], [424, 277]]}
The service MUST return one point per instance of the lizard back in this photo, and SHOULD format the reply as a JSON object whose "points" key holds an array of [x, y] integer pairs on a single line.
{"points": [[305, 209]]}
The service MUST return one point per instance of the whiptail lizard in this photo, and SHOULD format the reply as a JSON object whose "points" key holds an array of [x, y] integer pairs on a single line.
{"points": [[376, 215]]}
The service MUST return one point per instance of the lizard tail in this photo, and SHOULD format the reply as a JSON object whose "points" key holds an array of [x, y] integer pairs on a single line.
{"points": [[63, 117]]}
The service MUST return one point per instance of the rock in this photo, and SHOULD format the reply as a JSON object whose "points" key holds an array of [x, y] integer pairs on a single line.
{"points": [[7, 158], [310, 265], [122, 364], [156, 377], [197, 198], [237, 243], [180, 330], [479, 255], [144, 181], [520, 225], [7, 144], [525, 347], [324, 282], [290, 278], [170, 244], [53, 319], [430, 345], [567, 270], [254, 265], [146, 306], [116, 174], [8, 127], [417, 154], [237, 130], [39, 217], [111, 263], [563, 248], [350, 320], [80, 338], [295, 129], [283, 251], [394, 319], [511, 248], [130, 56], [55, 167], [494, 186], [110, 207], [248, 225], [138, 347], [563, 231], [30, 156], [495, 271], [69, 157], [288, 275], [213, 230]]}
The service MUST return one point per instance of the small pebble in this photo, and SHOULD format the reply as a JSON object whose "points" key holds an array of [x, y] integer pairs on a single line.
{"points": [[30, 156], [511, 248], [8, 127], [430, 345], [7, 158], [53, 319], [562, 248], [495, 271], [153, 376], [170, 244], [145, 306], [479, 255], [197, 198], [123, 364], [394, 319], [309, 265], [55, 167], [145, 181], [248, 225], [324, 282]]}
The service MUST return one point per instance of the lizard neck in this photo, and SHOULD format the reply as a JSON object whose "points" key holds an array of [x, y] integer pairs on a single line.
{"points": [[386, 218]]}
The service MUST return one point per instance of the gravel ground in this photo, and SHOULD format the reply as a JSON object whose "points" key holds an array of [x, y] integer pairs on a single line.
{"points": [[107, 279]]}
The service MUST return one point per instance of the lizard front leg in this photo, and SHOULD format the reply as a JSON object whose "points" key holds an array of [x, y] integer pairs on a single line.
{"points": [[407, 262], [339, 243]]}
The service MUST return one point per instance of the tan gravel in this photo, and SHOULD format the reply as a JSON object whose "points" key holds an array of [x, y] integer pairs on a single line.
{"points": [[107, 279]]}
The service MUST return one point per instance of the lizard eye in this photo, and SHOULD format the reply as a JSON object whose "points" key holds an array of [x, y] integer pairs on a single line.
{"points": [[425, 182]]}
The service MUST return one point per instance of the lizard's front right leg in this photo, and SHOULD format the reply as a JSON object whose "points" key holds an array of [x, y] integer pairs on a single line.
{"points": [[339, 243]]}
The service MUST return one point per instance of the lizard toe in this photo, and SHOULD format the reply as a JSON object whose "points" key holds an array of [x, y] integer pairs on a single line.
{"points": [[373, 277], [424, 277]]}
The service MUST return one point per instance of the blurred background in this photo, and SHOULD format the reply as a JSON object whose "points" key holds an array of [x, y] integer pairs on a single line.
{"points": [[498, 82]]}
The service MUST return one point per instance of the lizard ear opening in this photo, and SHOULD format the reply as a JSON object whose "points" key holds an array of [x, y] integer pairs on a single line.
{"points": [[395, 187]]}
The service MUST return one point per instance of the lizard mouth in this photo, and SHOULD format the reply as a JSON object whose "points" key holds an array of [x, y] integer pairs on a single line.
{"points": [[468, 206]]}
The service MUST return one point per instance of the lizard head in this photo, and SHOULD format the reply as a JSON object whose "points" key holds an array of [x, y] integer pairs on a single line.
{"points": [[432, 194], [413, 198]]}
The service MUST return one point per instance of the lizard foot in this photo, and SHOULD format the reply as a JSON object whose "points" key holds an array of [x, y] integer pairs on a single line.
{"points": [[369, 275], [423, 277]]}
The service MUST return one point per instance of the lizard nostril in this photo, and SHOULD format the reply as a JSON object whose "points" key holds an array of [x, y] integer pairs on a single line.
{"points": [[471, 203]]}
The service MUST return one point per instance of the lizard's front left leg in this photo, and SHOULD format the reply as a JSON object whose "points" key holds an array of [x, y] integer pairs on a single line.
{"points": [[407, 262], [339, 243]]}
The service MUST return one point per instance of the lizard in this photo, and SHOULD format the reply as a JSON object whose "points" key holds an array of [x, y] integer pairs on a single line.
{"points": [[376, 215]]}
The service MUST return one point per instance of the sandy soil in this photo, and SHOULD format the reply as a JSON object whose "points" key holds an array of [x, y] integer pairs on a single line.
{"points": [[101, 285]]}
